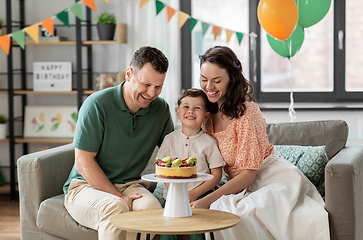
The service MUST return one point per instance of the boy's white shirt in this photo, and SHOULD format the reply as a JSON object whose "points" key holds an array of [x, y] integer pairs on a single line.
{"points": [[202, 146]]}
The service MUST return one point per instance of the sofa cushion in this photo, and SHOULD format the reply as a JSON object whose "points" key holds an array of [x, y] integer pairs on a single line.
{"points": [[310, 160], [330, 133], [54, 219]]}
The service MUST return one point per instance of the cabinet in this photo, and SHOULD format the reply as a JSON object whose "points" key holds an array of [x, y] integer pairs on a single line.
{"points": [[20, 89]]}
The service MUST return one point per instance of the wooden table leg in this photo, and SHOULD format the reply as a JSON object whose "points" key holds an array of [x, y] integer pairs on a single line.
{"points": [[148, 236], [138, 236]]}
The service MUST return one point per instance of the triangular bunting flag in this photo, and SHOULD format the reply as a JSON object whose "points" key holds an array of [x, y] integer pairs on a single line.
{"points": [[183, 17], [170, 12], [90, 4], [19, 37], [159, 6], [205, 27], [48, 24], [142, 3], [5, 43], [63, 17], [76, 9], [216, 32], [33, 32], [108, 1], [228, 34], [193, 22], [239, 37]]}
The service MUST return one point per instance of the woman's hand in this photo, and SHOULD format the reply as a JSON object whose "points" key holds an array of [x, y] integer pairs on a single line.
{"points": [[201, 203]]}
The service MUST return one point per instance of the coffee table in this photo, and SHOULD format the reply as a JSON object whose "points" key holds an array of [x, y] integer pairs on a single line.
{"points": [[152, 221]]}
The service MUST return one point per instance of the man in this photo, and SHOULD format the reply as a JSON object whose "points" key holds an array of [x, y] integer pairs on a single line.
{"points": [[117, 131]]}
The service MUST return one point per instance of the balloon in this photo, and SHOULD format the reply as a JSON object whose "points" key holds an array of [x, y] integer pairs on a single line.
{"points": [[312, 11], [278, 17], [290, 46]]}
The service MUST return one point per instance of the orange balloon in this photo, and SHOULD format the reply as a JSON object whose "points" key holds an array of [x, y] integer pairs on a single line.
{"points": [[278, 17]]}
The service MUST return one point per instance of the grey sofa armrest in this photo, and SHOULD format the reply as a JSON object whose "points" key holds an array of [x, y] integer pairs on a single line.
{"points": [[343, 193], [41, 175]]}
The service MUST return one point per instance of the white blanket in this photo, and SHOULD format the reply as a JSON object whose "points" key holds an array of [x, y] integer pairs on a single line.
{"points": [[281, 204]]}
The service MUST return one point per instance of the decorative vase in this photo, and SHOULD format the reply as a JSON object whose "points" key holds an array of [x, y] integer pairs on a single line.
{"points": [[3, 129], [106, 31]]}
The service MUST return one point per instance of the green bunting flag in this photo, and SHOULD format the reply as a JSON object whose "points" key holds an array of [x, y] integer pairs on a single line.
{"points": [[239, 37], [193, 22], [159, 6], [19, 37], [76, 9], [205, 27], [63, 17]]}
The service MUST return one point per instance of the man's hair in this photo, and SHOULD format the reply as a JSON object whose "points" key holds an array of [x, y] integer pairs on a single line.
{"points": [[194, 92], [150, 55]]}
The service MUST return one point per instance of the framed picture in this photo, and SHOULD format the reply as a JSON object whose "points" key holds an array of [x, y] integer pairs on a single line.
{"points": [[52, 76], [50, 121]]}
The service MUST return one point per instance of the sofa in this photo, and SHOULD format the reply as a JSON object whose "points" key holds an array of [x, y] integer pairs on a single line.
{"points": [[42, 174]]}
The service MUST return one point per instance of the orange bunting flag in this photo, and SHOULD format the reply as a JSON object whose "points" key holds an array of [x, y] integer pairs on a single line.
{"points": [[90, 4], [170, 12], [48, 25], [183, 17], [142, 3], [108, 1], [5, 43], [228, 34], [216, 31], [33, 32]]}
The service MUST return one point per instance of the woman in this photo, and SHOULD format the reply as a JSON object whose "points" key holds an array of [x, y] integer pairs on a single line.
{"points": [[272, 197]]}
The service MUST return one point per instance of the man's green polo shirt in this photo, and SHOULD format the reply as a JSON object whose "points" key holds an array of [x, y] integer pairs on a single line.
{"points": [[124, 141]]}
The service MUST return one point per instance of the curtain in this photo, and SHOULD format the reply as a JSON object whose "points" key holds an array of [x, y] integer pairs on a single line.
{"points": [[144, 27]]}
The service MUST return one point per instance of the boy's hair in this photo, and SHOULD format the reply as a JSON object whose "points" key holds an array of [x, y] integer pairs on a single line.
{"points": [[194, 92], [150, 55]]}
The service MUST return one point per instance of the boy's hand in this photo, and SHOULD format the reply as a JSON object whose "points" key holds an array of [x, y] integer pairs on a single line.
{"points": [[192, 195], [200, 204], [130, 198]]}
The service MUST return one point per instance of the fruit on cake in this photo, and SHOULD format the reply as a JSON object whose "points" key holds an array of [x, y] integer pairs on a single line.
{"points": [[175, 168]]}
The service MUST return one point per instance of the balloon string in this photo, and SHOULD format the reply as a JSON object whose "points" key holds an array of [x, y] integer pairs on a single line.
{"points": [[253, 37], [292, 113]]}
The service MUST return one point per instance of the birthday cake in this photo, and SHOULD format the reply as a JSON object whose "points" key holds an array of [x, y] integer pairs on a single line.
{"points": [[175, 168]]}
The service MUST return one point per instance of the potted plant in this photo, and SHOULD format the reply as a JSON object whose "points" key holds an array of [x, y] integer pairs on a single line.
{"points": [[1, 25], [106, 24], [3, 121]]}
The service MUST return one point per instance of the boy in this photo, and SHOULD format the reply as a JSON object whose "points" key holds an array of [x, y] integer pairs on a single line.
{"points": [[191, 141]]}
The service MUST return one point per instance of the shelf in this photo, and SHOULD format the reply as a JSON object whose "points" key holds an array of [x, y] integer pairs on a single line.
{"points": [[43, 140], [6, 188], [121, 31], [4, 140]]}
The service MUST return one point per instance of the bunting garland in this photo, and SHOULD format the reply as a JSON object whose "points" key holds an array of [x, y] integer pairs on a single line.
{"points": [[184, 17], [63, 16], [48, 24]]}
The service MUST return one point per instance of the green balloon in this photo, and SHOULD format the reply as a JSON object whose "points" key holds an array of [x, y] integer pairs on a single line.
{"points": [[290, 46], [312, 11]]}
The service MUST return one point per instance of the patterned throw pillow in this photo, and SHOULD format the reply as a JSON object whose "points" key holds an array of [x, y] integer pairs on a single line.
{"points": [[310, 160], [158, 193]]}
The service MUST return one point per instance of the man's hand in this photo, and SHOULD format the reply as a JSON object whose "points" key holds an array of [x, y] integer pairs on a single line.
{"points": [[130, 198]]}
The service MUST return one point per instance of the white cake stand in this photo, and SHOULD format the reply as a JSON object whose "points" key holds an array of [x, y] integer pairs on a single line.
{"points": [[177, 203]]}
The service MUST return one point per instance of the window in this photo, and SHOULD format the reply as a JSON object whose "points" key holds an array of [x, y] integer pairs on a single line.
{"points": [[327, 68], [232, 15]]}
